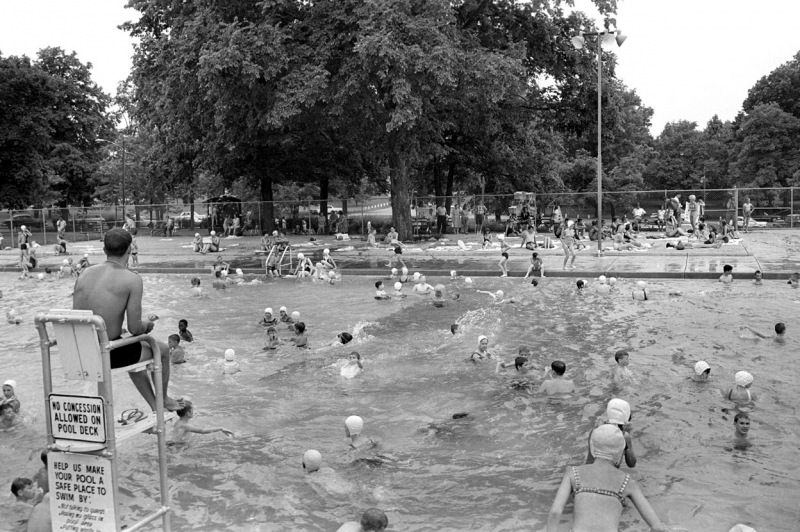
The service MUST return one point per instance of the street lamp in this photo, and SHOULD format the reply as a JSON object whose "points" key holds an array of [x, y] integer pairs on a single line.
{"points": [[607, 38], [123, 167]]}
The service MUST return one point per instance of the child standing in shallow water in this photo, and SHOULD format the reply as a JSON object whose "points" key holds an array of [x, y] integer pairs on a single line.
{"points": [[176, 353], [741, 392]]}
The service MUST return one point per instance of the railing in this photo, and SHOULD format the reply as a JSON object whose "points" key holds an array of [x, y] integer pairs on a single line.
{"points": [[774, 205]]}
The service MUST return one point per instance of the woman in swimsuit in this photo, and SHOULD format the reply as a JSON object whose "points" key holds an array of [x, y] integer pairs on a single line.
{"points": [[601, 491], [483, 350], [568, 243]]}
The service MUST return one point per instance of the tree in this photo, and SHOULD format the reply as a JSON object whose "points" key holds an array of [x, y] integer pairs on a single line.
{"points": [[781, 86]]}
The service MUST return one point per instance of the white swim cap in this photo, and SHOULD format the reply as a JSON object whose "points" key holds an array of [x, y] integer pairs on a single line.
{"points": [[618, 412], [612, 281], [275, 233], [300, 256], [701, 367], [295, 315], [326, 251], [482, 338], [65, 262], [22, 227], [501, 237], [742, 378], [354, 424], [394, 271], [224, 273], [405, 270], [499, 293], [331, 274], [85, 255], [239, 272], [40, 276], [416, 276], [230, 355], [602, 279], [453, 273], [641, 284], [398, 285], [197, 234], [282, 309], [213, 233], [268, 310], [312, 460], [468, 280]]}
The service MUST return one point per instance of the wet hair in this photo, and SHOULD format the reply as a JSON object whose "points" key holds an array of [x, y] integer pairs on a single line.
{"points": [[558, 367], [378, 284], [581, 284], [780, 328], [116, 242], [20, 484], [357, 354], [7, 406], [187, 407], [454, 328], [184, 322], [175, 337], [300, 327], [534, 255], [727, 268], [707, 371], [534, 282], [519, 362], [374, 520], [217, 274], [270, 329], [196, 281], [48, 271], [756, 272], [459, 415], [345, 337], [619, 354], [741, 415]]}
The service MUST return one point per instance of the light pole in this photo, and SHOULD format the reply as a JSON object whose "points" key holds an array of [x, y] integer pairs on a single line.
{"points": [[122, 147], [608, 38]]}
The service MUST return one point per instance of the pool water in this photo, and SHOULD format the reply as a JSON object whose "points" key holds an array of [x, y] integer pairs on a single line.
{"points": [[496, 469]]}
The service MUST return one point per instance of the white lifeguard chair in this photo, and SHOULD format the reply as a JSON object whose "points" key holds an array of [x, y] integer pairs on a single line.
{"points": [[83, 440]]}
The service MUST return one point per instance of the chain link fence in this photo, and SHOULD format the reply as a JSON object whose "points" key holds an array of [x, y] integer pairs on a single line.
{"points": [[773, 207]]}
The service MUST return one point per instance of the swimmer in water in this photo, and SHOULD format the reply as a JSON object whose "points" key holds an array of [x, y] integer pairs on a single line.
{"points": [[621, 371], [483, 350], [229, 365], [758, 278], [404, 275], [182, 429], [741, 428], [454, 329], [640, 293], [219, 283], [779, 337], [186, 335], [373, 520], [272, 339], [176, 353], [393, 274], [603, 287], [618, 412], [498, 297], [343, 338], [284, 316], [295, 319], [353, 426], [380, 291], [196, 290], [398, 291], [12, 318], [741, 393], [557, 384], [8, 417], [702, 371], [727, 274], [268, 318], [299, 339], [351, 366], [600, 490], [794, 280], [10, 396], [581, 284]]}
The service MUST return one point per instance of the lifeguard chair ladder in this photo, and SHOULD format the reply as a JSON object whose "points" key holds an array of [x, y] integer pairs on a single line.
{"points": [[84, 347], [285, 257]]}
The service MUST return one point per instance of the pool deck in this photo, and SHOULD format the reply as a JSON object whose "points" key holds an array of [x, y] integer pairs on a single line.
{"points": [[776, 252]]}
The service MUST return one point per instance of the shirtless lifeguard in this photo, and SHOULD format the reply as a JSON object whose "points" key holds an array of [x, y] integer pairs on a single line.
{"points": [[114, 293]]}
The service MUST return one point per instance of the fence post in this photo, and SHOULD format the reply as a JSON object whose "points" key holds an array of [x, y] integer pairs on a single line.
{"points": [[11, 226], [791, 207], [72, 215], [44, 228]]}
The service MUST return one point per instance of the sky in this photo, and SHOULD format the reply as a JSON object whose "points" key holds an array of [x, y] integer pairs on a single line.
{"points": [[686, 59]]}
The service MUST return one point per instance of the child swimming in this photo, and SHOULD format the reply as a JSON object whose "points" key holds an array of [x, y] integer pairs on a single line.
{"points": [[176, 353], [741, 393], [229, 365], [483, 350], [272, 339], [182, 429], [186, 335]]}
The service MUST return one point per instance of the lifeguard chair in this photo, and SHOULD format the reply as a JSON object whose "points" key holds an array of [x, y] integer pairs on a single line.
{"points": [[83, 432]]}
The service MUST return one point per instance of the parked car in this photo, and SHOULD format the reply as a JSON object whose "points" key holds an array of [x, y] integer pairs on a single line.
{"points": [[753, 223], [184, 217], [28, 220]]}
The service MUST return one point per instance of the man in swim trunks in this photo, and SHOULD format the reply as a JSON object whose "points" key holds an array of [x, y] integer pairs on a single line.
{"points": [[114, 293]]}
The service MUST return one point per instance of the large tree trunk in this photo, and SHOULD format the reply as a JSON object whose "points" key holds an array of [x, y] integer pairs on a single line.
{"points": [[401, 199], [267, 207], [449, 192]]}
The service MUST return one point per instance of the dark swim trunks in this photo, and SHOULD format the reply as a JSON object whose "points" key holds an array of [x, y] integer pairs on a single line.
{"points": [[126, 355]]}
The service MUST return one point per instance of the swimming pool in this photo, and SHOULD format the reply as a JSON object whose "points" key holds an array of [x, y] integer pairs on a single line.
{"points": [[497, 469]]}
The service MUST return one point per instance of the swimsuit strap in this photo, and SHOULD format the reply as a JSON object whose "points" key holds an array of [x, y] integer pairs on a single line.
{"points": [[624, 485], [748, 394], [576, 479]]}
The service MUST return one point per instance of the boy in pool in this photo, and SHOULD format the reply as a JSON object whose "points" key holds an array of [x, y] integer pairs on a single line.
{"points": [[299, 339], [557, 384], [182, 429], [741, 428], [779, 337], [186, 336], [621, 371], [727, 274], [794, 280], [380, 291], [454, 329], [176, 353], [219, 283], [536, 266], [758, 278], [272, 339], [7, 416]]}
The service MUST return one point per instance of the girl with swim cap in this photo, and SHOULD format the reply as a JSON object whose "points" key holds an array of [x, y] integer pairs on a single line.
{"points": [[483, 350], [601, 491], [10, 396], [741, 392]]}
